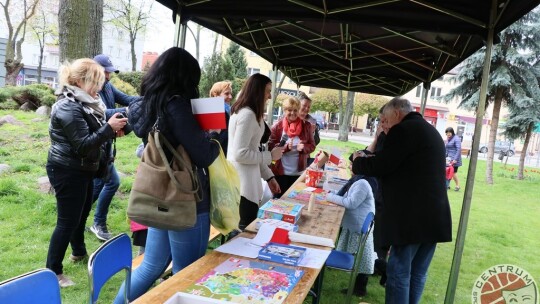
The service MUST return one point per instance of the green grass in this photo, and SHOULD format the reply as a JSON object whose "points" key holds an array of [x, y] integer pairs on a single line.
{"points": [[502, 229]]}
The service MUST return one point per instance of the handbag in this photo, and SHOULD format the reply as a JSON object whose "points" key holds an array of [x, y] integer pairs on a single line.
{"points": [[164, 195]]}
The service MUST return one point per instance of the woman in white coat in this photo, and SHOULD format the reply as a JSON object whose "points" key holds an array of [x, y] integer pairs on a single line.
{"points": [[246, 128]]}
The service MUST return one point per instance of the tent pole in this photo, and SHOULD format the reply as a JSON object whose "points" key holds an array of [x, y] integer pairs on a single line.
{"points": [[466, 206], [425, 92], [270, 107], [180, 29]]}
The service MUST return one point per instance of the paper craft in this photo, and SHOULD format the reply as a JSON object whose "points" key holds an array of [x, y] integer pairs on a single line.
{"points": [[276, 223], [209, 112], [310, 239], [243, 281], [298, 193], [240, 246]]}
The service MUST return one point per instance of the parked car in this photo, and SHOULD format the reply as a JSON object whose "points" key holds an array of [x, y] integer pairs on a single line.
{"points": [[321, 123], [500, 145]]}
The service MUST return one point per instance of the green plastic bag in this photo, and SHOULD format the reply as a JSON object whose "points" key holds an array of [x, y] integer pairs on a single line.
{"points": [[224, 195]]}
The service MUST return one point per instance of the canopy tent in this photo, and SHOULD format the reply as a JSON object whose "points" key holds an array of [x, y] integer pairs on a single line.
{"points": [[384, 47]]}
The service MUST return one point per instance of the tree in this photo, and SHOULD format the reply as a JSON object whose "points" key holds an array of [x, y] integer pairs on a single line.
{"points": [[368, 104], [215, 68], [16, 18], [44, 26], [196, 38], [238, 60], [80, 28], [345, 121], [325, 100], [130, 17], [511, 80]]}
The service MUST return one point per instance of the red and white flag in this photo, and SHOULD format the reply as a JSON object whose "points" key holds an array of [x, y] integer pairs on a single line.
{"points": [[209, 112]]}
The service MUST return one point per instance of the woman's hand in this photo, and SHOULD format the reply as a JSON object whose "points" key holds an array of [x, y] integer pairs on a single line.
{"points": [[300, 147], [116, 123], [274, 186], [276, 153]]}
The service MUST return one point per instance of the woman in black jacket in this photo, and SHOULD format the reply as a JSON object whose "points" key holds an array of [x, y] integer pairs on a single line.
{"points": [[77, 130]]}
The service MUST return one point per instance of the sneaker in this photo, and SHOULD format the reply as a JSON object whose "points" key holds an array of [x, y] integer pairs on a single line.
{"points": [[101, 231], [64, 281], [77, 258], [457, 188]]}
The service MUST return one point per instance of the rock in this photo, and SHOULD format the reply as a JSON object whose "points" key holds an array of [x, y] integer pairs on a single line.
{"points": [[45, 185], [44, 111], [27, 106], [4, 168], [37, 119], [10, 119]]}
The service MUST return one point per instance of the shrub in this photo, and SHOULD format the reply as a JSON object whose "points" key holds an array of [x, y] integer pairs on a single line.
{"points": [[35, 94], [133, 78], [123, 86]]}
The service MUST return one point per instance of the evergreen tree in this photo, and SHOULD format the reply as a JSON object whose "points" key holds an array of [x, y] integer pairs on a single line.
{"points": [[215, 68], [511, 79], [238, 59]]}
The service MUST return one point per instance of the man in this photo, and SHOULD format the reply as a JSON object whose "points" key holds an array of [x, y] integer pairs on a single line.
{"points": [[416, 212], [303, 113], [104, 190]]}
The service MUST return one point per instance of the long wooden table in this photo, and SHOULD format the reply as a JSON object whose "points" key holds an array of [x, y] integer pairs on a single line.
{"points": [[323, 221]]}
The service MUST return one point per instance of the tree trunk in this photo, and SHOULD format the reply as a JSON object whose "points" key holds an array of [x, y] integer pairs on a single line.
{"points": [[40, 64], [523, 154], [197, 42], [80, 28], [493, 135], [13, 67], [345, 122], [215, 43], [133, 55]]}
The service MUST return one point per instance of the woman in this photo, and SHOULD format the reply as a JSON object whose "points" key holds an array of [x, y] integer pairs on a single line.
{"points": [[296, 136], [246, 129], [223, 89], [357, 198], [168, 87], [453, 150], [78, 131]]}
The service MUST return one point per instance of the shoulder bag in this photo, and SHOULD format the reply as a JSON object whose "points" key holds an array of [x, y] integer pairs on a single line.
{"points": [[164, 195]]}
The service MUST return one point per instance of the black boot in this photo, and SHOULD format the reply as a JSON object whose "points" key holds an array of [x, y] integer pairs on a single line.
{"points": [[360, 286]]}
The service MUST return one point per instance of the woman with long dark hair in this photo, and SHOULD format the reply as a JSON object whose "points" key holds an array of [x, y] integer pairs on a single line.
{"points": [[246, 128], [453, 151], [168, 87]]}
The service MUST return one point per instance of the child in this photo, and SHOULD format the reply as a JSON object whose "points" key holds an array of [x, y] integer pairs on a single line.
{"points": [[449, 171], [357, 198]]}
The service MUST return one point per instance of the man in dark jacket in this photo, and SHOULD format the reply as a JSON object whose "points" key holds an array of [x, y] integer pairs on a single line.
{"points": [[104, 189], [416, 212]]}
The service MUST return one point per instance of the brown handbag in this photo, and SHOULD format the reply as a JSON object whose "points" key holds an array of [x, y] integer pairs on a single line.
{"points": [[164, 195]]}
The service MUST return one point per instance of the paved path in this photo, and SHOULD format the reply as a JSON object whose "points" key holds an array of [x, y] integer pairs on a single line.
{"points": [[365, 139]]}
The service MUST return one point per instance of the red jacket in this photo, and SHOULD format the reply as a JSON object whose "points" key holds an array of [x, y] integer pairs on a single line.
{"points": [[306, 137]]}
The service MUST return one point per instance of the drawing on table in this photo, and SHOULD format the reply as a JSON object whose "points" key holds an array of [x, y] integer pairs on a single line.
{"points": [[243, 281]]}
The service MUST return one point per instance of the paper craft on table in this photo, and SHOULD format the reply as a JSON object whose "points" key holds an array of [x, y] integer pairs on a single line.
{"points": [[209, 112], [264, 235]]}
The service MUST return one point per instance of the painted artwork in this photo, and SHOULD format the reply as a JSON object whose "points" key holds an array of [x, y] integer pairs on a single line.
{"points": [[243, 281]]}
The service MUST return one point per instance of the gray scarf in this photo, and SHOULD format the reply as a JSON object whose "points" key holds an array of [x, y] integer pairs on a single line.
{"points": [[91, 105]]}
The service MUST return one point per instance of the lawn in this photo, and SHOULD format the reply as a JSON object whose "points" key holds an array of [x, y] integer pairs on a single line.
{"points": [[503, 223]]}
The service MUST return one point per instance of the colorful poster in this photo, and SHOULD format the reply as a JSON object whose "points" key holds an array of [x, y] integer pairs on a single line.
{"points": [[243, 281]]}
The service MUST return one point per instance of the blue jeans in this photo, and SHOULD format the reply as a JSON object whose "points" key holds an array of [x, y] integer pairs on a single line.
{"points": [[407, 272], [184, 246], [104, 193]]}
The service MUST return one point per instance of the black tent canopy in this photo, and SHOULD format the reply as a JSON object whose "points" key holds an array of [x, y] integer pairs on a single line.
{"points": [[384, 47]]}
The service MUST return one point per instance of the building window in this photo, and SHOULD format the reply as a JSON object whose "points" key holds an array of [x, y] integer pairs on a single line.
{"points": [[435, 92], [418, 91], [252, 71]]}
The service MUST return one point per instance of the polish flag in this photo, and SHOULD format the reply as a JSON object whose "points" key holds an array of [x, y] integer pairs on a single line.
{"points": [[334, 159], [209, 112]]}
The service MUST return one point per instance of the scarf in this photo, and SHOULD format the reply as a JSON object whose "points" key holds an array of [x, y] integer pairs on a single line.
{"points": [[292, 129], [92, 106]]}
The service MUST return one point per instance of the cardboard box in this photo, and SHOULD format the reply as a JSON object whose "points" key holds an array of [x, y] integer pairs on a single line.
{"points": [[281, 210], [280, 253]]}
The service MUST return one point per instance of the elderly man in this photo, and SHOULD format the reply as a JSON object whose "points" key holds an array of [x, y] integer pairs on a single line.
{"points": [[416, 212]]}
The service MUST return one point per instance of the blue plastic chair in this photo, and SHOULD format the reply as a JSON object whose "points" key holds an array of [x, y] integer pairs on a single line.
{"points": [[110, 258], [38, 286], [349, 262]]}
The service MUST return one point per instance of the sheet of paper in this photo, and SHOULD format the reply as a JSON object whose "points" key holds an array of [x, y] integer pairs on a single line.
{"points": [[310, 189], [314, 258], [240, 246], [264, 235]]}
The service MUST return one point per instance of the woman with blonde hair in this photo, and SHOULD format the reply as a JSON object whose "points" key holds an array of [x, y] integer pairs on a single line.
{"points": [[296, 137], [78, 131], [223, 89]]}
